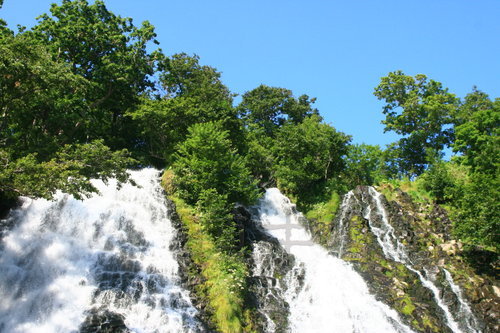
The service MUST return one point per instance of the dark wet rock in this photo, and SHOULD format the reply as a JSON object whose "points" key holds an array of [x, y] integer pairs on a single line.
{"points": [[9, 215], [267, 282], [103, 321]]}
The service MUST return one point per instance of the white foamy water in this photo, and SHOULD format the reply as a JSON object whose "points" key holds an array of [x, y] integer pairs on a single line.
{"points": [[110, 251], [332, 297]]}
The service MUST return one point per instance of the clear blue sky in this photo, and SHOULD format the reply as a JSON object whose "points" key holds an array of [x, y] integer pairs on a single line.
{"points": [[333, 50]]}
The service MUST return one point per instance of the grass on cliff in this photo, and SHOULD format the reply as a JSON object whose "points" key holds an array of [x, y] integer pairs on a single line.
{"points": [[320, 211], [324, 212], [224, 276], [415, 188]]}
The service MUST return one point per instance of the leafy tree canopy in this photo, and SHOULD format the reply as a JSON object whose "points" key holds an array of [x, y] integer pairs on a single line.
{"points": [[108, 51], [193, 94], [308, 153], [476, 215], [270, 107], [477, 129], [364, 165], [64, 86], [420, 110], [70, 171], [41, 100], [207, 160]]}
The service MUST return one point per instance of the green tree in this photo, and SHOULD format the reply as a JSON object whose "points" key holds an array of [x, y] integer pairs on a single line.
{"points": [[439, 181], [477, 123], [364, 165], [420, 110], [477, 129], [108, 51], [70, 170], [44, 141], [270, 107], [192, 94], [264, 110], [259, 154], [216, 217], [202, 89], [206, 160], [307, 155], [41, 101], [476, 217]]}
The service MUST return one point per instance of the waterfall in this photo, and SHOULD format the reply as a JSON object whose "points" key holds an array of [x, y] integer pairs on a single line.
{"points": [[109, 253], [464, 309], [324, 293], [341, 231], [396, 251]]}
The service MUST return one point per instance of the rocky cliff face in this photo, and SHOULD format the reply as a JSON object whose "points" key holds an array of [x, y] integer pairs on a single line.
{"points": [[103, 321], [270, 265], [406, 254]]}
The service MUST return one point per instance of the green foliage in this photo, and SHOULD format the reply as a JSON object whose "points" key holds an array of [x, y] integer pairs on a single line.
{"points": [[476, 218], [420, 110], [308, 154], [52, 131], [476, 215], [259, 153], [70, 171], [439, 182], [270, 108], [206, 160], [109, 52], [193, 94], [162, 126], [224, 275], [184, 76], [364, 165], [324, 212], [41, 100], [207, 98], [215, 216], [320, 211], [477, 129]]}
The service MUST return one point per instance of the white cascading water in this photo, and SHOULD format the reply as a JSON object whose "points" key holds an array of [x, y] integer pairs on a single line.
{"points": [[464, 309], [396, 251], [342, 230], [332, 297], [110, 251]]}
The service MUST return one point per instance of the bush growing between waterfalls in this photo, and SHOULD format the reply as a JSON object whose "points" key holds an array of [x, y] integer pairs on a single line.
{"points": [[308, 154], [224, 274], [216, 218], [207, 161], [211, 176]]}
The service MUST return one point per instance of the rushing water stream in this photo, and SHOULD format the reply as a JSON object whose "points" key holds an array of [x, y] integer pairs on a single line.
{"points": [[331, 296], [109, 252]]}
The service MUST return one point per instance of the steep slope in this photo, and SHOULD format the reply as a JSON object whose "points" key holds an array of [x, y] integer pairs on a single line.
{"points": [[405, 252]]}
